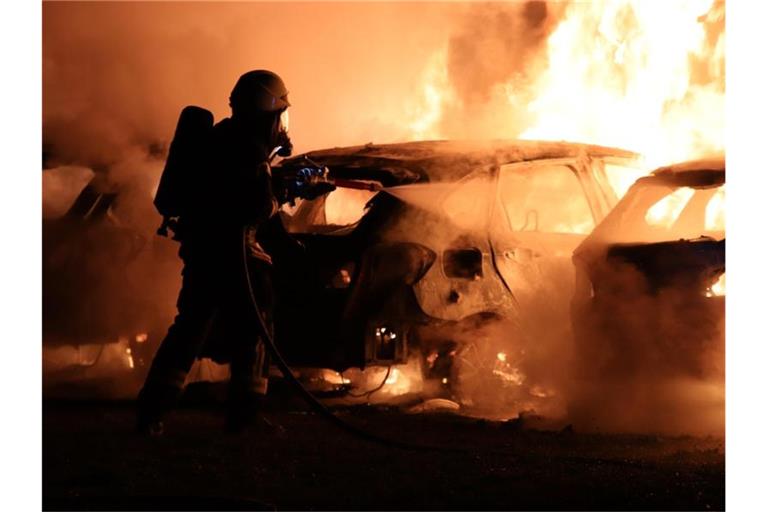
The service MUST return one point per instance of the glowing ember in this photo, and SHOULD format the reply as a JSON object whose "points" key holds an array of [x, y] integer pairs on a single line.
{"points": [[129, 357], [540, 392], [332, 377], [512, 375], [401, 380], [718, 288], [406, 378], [508, 373], [141, 338], [385, 334]]}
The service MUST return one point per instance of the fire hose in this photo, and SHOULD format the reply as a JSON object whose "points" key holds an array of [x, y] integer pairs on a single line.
{"points": [[295, 186]]}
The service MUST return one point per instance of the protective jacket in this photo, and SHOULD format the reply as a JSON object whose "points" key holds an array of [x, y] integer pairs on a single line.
{"points": [[231, 191], [231, 194]]}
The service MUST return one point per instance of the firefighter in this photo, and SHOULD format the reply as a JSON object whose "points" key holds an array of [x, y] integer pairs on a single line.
{"points": [[232, 198]]}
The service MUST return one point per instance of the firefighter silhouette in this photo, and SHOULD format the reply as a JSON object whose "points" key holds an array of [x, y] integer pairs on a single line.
{"points": [[216, 186]]}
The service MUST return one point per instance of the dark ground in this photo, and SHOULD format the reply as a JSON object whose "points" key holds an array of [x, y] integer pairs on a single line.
{"points": [[93, 460]]}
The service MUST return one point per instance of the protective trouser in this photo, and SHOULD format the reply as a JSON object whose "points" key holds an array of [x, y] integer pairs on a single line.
{"points": [[214, 299]]}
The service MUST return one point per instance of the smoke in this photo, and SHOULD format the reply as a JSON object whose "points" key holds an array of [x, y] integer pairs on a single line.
{"points": [[497, 43], [492, 61], [115, 77], [480, 81], [60, 188], [650, 362], [502, 355], [632, 361], [116, 74]]}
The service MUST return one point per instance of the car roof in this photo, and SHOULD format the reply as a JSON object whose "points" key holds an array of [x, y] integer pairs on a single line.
{"points": [[444, 159], [714, 163], [703, 172]]}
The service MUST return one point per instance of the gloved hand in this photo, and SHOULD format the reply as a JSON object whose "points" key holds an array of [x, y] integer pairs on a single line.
{"points": [[308, 183]]}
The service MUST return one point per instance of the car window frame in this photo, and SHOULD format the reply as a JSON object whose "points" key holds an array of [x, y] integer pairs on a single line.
{"points": [[486, 172], [577, 167]]}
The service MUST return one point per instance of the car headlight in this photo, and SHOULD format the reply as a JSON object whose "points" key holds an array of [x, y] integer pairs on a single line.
{"points": [[717, 289]]}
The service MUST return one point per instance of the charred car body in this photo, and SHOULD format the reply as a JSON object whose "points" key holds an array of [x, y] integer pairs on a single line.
{"points": [[464, 234], [650, 293], [108, 284]]}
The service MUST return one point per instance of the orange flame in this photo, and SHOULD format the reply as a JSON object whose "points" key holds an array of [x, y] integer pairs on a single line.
{"points": [[621, 74], [435, 93], [718, 287], [646, 76], [715, 212], [666, 211]]}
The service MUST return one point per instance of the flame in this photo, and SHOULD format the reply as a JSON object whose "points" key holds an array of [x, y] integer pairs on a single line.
{"points": [[508, 373], [129, 357], [435, 93], [718, 288], [541, 392], [333, 377], [666, 211], [405, 378], [621, 177], [621, 74], [646, 76], [401, 380], [715, 212]]}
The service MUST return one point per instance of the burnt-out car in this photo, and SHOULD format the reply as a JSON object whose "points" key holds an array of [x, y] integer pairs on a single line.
{"points": [[463, 236], [109, 284], [650, 295]]}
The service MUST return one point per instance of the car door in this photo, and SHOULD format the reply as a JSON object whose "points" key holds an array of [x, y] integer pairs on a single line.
{"points": [[542, 212], [313, 279]]}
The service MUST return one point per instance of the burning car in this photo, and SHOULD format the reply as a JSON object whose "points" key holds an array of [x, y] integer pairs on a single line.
{"points": [[650, 295], [465, 236], [108, 284]]}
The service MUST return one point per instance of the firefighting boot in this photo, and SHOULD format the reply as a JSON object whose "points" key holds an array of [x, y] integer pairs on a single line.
{"points": [[242, 410], [155, 399], [149, 416], [247, 395]]}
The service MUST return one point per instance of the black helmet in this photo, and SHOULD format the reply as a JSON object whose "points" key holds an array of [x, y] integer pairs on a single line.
{"points": [[260, 90]]}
